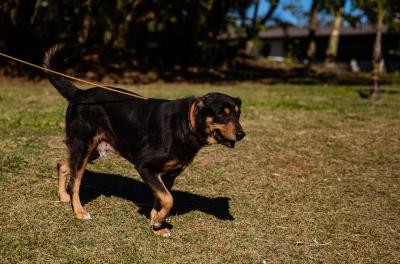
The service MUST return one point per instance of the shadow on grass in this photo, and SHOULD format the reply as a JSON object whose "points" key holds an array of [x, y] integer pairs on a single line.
{"points": [[95, 184]]}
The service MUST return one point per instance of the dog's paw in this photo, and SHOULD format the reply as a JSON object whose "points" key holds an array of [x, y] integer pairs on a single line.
{"points": [[161, 229], [83, 215], [162, 232], [154, 224], [65, 198]]}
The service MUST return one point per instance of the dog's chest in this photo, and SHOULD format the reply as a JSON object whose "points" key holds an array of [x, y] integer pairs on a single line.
{"points": [[174, 165]]}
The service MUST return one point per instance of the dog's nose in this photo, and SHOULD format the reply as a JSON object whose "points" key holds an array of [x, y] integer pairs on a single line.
{"points": [[240, 135]]}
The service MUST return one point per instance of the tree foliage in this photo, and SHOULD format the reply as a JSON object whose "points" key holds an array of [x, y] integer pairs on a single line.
{"points": [[154, 32]]}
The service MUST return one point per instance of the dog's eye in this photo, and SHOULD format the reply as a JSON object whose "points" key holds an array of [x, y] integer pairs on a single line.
{"points": [[223, 116], [223, 113]]}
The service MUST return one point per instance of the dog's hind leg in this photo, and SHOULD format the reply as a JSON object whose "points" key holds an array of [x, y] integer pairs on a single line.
{"points": [[80, 154], [63, 171]]}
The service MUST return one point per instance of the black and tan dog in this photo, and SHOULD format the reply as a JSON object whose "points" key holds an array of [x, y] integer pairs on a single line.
{"points": [[160, 137]]}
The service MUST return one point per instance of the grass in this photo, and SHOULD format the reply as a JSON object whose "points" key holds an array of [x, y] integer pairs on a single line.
{"points": [[316, 180]]}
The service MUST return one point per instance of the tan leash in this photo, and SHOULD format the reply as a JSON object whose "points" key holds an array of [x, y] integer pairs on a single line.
{"points": [[71, 77]]}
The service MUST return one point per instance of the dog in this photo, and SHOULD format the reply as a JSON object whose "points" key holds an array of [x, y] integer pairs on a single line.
{"points": [[159, 137]]}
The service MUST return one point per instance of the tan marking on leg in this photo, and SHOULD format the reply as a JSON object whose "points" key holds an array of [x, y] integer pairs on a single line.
{"points": [[80, 213], [165, 199], [154, 214], [63, 171], [154, 210], [168, 182], [166, 202]]}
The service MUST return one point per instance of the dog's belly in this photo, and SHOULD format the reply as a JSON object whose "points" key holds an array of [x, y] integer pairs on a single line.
{"points": [[104, 149]]}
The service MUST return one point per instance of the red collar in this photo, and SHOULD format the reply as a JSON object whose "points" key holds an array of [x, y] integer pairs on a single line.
{"points": [[192, 120]]}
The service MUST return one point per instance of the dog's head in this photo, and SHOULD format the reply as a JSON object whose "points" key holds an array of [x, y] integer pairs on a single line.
{"points": [[217, 119]]}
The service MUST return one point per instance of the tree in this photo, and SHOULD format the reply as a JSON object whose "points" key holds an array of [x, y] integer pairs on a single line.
{"points": [[331, 51], [252, 25], [377, 53], [313, 23], [378, 12]]}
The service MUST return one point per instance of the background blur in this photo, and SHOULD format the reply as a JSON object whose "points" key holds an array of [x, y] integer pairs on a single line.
{"points": [[129, 41]]}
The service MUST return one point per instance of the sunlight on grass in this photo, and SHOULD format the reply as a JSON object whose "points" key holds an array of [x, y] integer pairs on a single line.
{"points": [[316, 179]]}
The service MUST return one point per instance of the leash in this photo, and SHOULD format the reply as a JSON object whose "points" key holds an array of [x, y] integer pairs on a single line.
{"points": [[71, 77]]}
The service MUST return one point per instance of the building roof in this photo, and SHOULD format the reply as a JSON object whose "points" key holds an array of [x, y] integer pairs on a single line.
{"points": [[301, 32]]}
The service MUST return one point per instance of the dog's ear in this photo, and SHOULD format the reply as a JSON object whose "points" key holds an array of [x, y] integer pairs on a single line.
{"points": [[238, 101], [200, 107], [206, 101], [203, 106], [200, 104]]}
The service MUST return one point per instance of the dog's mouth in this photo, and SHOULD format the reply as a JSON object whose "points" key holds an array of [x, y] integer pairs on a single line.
{"points": [[222, 140]]}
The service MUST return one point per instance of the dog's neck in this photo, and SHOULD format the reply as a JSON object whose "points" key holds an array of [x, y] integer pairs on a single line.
{"points": [[199, 139]]}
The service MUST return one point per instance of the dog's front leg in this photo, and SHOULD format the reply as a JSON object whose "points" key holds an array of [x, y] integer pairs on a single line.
{"points": [[162, 204], [168, 181]]}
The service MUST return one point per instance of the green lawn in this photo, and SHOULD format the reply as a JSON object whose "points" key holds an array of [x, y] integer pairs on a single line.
{"points": [[316, 180]]}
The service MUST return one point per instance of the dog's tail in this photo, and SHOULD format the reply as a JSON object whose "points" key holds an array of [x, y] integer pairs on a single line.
{"points": [[64, 86]]}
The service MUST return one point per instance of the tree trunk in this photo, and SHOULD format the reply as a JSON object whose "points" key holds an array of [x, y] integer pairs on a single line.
{"points": [[121, 27], [83, 38], [254, 26], [35, 12], [3, 29], [377, 56], [252, 31], [312, 46], [331, 50]]}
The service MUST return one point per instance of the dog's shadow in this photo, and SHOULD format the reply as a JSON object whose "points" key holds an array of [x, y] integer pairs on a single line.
{"points": [[95, 184]]}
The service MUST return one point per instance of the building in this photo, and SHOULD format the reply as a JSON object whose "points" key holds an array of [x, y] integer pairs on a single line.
{"points": [[354, 44]]}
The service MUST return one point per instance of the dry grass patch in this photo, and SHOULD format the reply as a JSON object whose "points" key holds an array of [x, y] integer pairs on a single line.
{"points": [[315, 181]]}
